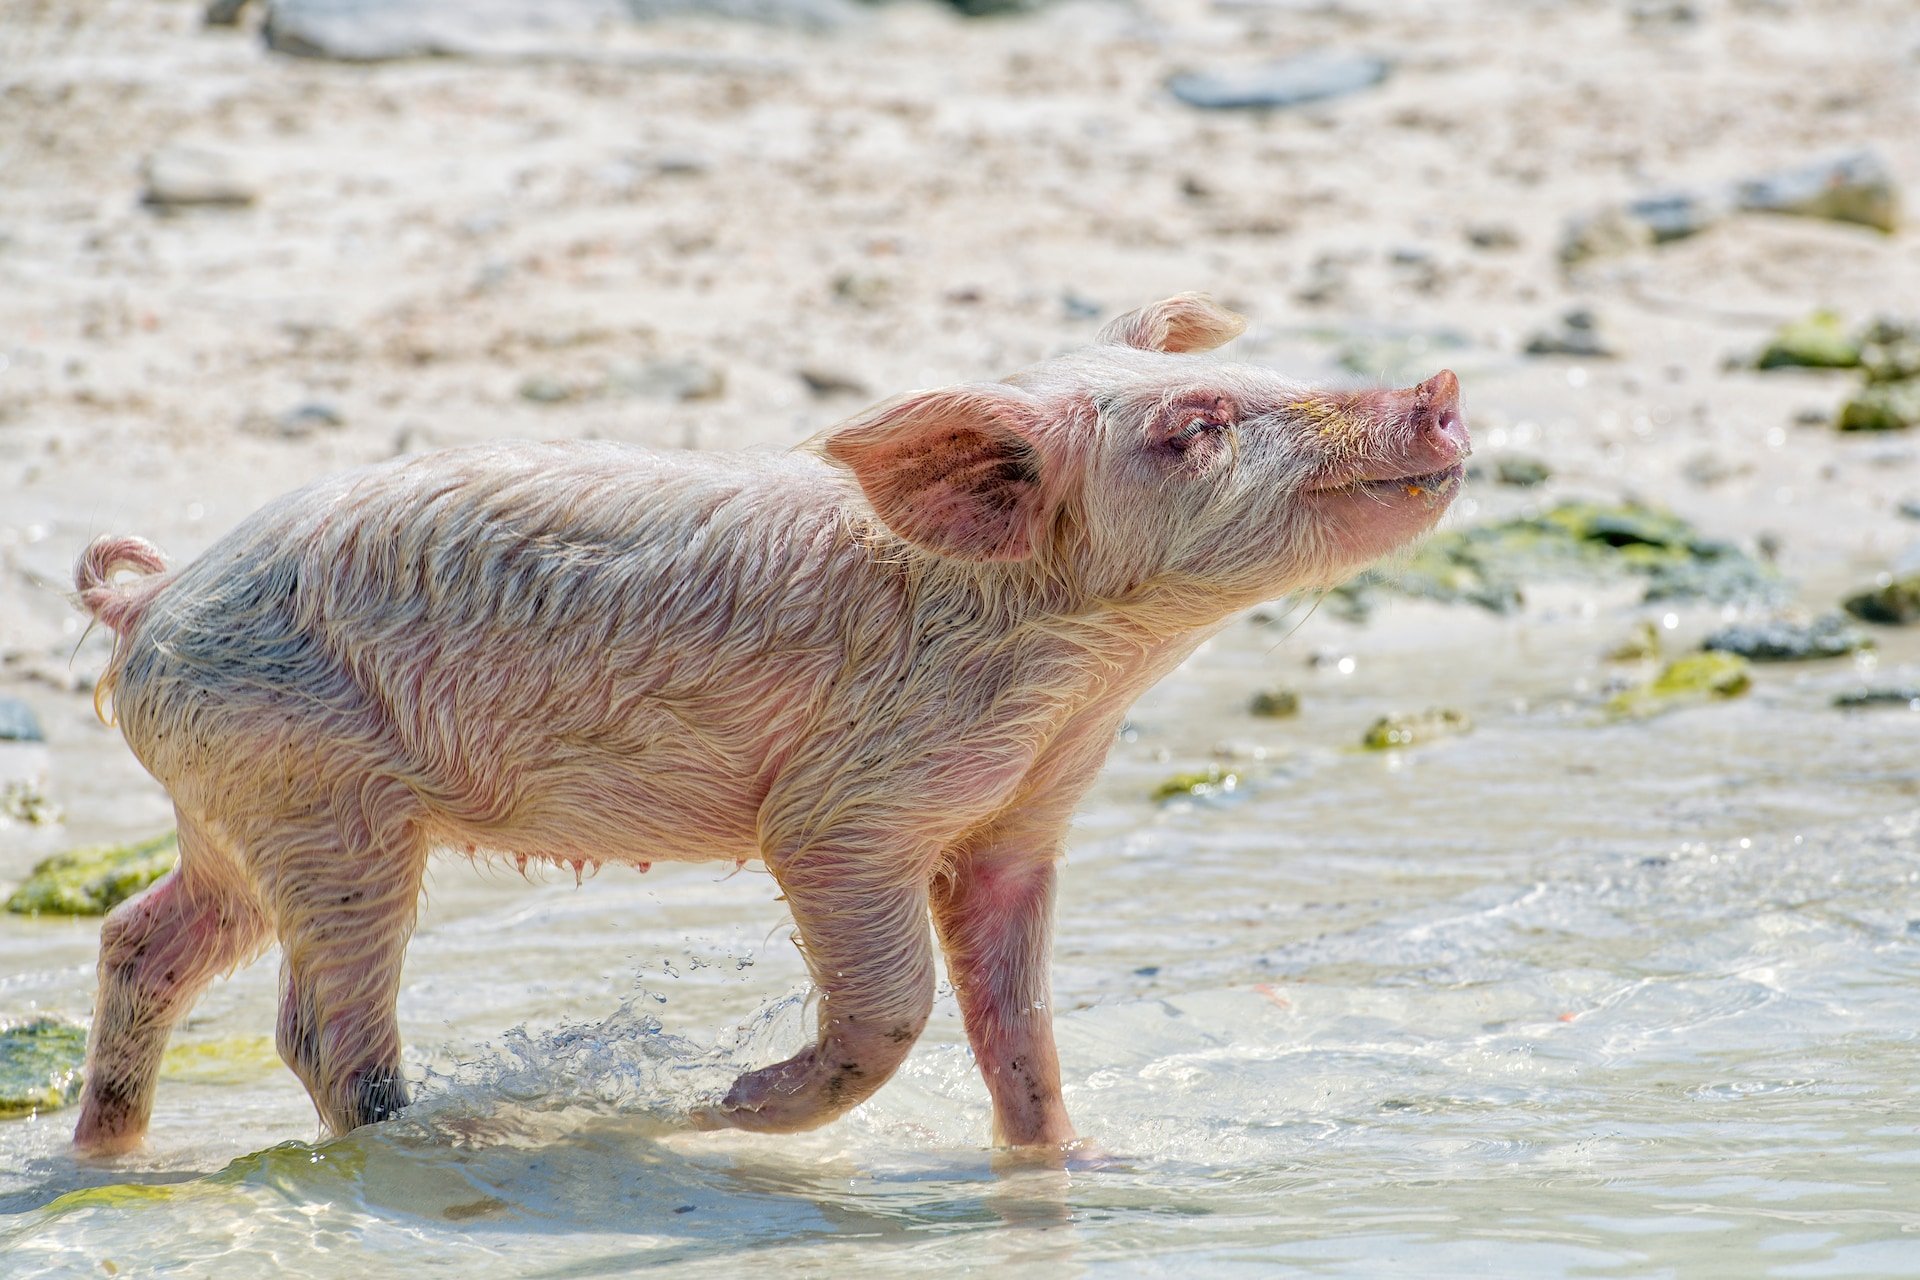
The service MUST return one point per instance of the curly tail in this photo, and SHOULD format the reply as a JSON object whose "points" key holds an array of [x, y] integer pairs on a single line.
{"points": [[118, 607]]}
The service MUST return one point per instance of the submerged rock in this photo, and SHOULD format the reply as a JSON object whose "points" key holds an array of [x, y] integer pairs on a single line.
{"points": [[1783, 640], [1819, 341], [1853, 188], [40, 1065], [1896, 695], [1200, 783], [1415, 730], [1310, 77], [1696, 678], [18, 723], [93, 880], [1881, 406], [1489, 564], [1274, 704], [1895, 603]]}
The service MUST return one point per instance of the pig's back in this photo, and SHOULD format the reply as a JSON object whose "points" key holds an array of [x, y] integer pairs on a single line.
{"points": [[530, 604]]}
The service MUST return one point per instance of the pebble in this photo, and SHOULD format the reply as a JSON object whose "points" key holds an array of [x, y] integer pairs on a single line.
{"points": [[18, 723], [668, 379], [1310, 77]]}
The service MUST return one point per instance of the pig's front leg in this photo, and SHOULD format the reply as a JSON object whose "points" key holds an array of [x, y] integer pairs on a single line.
{"points": [[994, 910], [863, 928]]}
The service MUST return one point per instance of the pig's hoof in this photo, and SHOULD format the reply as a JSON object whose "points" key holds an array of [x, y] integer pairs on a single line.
{"points": [[783, 1098]]}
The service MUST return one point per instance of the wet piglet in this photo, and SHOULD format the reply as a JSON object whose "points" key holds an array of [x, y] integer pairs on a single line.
{"points": [[887, 664]]}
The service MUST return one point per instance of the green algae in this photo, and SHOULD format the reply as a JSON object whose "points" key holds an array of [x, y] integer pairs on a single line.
{"points": [[1818, 341], [1881, 406], [1389, 732], [40, 1064], [1489, 564], [1274, 704], [1201, 784], [93, 880], [226, 1060], [1694, 679], [1641, 645]]}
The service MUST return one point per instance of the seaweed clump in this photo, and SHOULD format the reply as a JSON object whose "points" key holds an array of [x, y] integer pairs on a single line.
{"points": [[40, 1066], [1198, 784], [1489, 564], [1698, 677], [1389, 732], [94, 880]]}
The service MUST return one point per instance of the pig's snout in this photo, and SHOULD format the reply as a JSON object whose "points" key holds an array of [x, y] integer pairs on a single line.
{"points": [[1439, 425]]}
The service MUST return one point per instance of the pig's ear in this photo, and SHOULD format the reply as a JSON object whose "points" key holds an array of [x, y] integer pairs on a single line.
{"points": [[1189, 322], [956, 471]]}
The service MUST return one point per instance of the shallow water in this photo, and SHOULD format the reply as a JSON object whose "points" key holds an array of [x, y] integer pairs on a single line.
{"points": [[1559, 997]]}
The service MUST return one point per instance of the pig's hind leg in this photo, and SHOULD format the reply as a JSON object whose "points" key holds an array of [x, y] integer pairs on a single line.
{"points": [[344, 893], [158, 952]]}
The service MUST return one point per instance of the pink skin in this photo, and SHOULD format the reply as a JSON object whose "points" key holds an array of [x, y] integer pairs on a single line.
{"points": [[888, 665]]}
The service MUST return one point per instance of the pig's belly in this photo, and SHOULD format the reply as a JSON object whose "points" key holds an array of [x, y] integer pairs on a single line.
{"points": [[657, 808]]}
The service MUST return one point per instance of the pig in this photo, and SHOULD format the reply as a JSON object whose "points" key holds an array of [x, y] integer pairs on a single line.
{"points": [[886, 664]]}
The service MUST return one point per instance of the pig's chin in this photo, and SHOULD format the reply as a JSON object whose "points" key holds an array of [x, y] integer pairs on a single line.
{"points": [[1366, 519]]}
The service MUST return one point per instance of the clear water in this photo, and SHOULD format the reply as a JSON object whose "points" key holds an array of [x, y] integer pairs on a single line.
{"points": [[1558, 998]]}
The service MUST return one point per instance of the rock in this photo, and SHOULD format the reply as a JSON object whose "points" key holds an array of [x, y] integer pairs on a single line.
{"points": [[223, 13], [1520, 471], [1489, 564], [40, 1063], [1578, 335], [1642, 645], [1881, 406], [1783, 640], [682, 380], [1493, 235], [1203, 784], [1894, 603], [1309, 77], [296, 423], [1415, 730], [1910, 508], [384, 30], [92, 881], [18, 723], [1890, 350], [541, 389], [863, 289], [1675, 215], [1898, 695], [1696, 678], [177, 177], [1853, 188], [1077, 306], [1274, 704], [825, 383], [1606, 234], [1819, 341]]}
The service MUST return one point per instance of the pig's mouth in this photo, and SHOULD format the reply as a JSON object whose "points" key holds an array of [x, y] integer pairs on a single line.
{"points": [[1430, 484]]}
